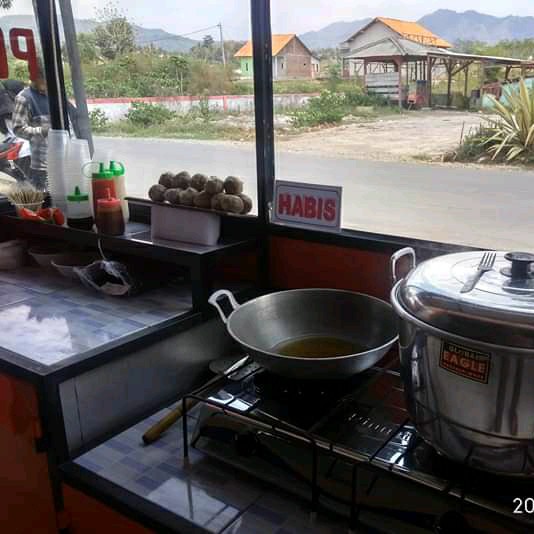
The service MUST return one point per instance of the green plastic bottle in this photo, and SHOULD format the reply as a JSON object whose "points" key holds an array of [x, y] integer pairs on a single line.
{"points": [[79, 211]]}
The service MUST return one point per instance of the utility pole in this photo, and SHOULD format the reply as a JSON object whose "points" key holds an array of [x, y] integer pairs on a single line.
{"points": [[222, 43]]}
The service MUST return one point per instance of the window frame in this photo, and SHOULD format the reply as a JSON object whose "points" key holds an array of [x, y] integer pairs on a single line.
{"points": [[265, 157], [260, 11]]}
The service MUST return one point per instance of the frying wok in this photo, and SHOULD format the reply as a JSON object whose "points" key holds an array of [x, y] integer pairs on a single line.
{"points": [[265, 323]]}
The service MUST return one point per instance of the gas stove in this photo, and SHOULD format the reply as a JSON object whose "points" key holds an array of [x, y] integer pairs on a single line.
{"points": [[349, 447]]}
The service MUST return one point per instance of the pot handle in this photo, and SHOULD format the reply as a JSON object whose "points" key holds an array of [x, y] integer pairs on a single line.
{"points": [[397, 256], [214, 301]]}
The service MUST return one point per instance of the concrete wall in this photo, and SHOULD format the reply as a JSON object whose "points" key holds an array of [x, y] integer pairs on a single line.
{"points": [[294, 62], [117, 108]]}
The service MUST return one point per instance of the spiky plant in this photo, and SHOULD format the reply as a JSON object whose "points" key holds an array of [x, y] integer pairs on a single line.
{"points": [[511, 135]]}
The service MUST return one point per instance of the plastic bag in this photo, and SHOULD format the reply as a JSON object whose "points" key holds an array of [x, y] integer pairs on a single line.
{"points": [[108, 277]]}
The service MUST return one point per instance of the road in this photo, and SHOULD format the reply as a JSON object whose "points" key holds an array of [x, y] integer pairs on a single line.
{"points": [[486, 207]]}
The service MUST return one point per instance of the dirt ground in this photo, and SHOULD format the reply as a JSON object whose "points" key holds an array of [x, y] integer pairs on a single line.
{"points": [[411, 136]]}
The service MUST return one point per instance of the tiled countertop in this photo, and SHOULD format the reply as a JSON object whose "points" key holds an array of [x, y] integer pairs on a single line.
{"points": [[48, 320], [203, 494]]}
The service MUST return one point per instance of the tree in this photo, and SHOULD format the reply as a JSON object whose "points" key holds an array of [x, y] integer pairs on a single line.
{"points": [[87, 48], [114, 34], [180, 66], [207, 41], [334, 75], [6, 4]]}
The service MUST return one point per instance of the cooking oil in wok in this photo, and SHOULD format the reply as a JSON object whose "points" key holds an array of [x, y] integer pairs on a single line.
{"points": [[318, 347]]}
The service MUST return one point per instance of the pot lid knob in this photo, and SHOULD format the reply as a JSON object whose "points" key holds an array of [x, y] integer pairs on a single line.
{"points": [[520, 269]]}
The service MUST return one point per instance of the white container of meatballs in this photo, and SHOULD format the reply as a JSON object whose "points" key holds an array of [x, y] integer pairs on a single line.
{"points": [[211, 194]]}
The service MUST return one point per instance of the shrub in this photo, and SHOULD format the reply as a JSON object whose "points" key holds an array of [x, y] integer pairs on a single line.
{"points": [[356, 96], [208, 78], [143, 114], [473, 146], [329, 108], [98, 119], [511, 136]]}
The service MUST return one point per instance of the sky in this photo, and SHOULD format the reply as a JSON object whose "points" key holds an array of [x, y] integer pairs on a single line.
{"points": [[288, 16]]}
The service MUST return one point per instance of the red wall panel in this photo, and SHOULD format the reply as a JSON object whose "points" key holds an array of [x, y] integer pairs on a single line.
{"points": [[297, 264], [25, 490]]}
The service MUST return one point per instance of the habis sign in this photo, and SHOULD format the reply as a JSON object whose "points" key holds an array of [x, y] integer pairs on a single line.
{"points": [[308, 204], [22, 43]]}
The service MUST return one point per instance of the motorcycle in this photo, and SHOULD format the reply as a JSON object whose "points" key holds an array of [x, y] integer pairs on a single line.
{"points": [[15, 157]]}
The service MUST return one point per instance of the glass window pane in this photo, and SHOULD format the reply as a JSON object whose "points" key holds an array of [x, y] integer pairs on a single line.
{"points": [[19, 52], [394, 104], [166, 89]]}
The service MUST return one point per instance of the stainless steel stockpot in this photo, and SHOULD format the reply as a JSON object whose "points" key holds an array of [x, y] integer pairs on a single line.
{"points": [[467, 359]]}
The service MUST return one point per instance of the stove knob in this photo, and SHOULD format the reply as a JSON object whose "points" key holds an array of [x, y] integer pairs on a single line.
{"points": [[451, 522], [246, 443]]}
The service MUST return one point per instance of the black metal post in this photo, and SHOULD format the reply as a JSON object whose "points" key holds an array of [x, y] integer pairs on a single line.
{"points": [[263, 103], [260, 11], [82, 115], [45, 10]]}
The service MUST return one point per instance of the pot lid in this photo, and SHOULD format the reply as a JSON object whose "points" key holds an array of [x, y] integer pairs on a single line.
{"points": [[499, 310]]}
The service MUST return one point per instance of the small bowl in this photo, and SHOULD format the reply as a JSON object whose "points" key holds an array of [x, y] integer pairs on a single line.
{"points": [[66, 263], [45, 254]]}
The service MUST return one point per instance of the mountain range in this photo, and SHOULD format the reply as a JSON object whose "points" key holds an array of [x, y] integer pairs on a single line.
{"points": [[451, 25], [143, 36]]}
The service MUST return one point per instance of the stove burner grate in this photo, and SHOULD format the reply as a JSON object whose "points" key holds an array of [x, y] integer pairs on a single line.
{"points": [[362, 422]]}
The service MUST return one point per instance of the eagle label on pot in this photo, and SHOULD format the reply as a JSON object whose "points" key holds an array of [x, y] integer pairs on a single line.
{"points": [[462, 361]]}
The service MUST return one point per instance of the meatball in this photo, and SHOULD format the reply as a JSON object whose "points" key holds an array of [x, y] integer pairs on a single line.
{"points": [[187, 197], [214, 185], [216, 201], [233, 185], [203, 200], [198, 181], [157, 193], [167, 180], [232, 203], [172, 196], [182, 180], [247, 202]]}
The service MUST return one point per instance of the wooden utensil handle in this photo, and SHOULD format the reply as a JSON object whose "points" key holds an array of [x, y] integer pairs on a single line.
{"points": [[155, 431]]}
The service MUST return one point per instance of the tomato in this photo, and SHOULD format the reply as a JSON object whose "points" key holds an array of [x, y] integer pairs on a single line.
{"points": [[58, 217], [30, 215], [46, 213]]}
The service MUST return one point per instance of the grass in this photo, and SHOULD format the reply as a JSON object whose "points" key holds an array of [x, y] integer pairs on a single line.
{"points": [[178, 129]]}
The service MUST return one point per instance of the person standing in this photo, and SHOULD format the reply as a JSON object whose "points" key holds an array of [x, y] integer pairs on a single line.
{"points": [[9, 89], [31, 121]]}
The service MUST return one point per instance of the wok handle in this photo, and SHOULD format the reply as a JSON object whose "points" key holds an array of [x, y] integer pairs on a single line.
{"points": [[397, 256], [214, 301]]}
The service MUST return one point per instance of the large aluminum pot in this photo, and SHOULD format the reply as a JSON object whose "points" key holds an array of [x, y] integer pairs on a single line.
{"points": [[265, 323], [467, 359]]}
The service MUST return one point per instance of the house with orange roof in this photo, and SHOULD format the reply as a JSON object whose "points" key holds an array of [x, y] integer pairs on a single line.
{"points": [[292, 59]]}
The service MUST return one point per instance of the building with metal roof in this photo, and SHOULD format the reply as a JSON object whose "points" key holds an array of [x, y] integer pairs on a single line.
{"points": [[400, 59]]}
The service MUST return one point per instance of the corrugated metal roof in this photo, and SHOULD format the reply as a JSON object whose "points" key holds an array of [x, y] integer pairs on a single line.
{"points": [[280, 41], [414, 32], [389, 46]]}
